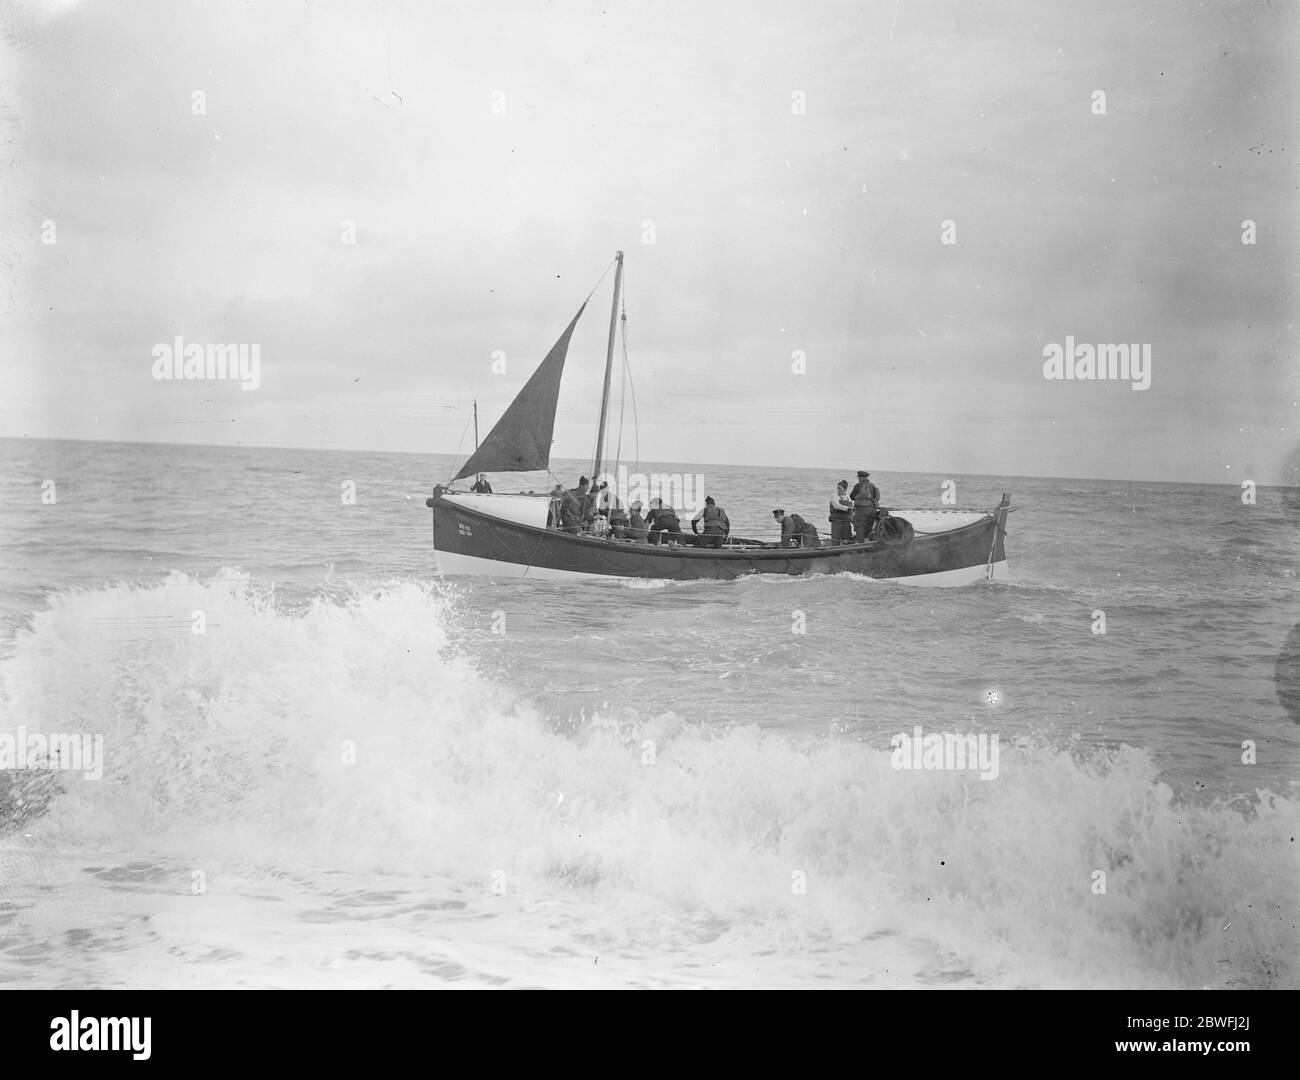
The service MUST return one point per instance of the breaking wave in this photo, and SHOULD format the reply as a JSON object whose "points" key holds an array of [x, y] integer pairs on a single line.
{"points": [[351, 733]]}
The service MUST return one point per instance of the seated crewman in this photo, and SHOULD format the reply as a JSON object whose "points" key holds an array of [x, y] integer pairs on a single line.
{"points": [[636, 527], [618, 520]]}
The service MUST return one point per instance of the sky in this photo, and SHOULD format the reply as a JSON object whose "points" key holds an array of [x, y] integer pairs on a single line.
{"points": [[402, 205]]}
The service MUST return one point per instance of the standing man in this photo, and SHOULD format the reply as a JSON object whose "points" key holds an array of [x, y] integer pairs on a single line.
{"points": [[866, 501], [587, 502], [604, 503], [573, 508], [606, 500], [481, 486], [716, 524], [553, 515], [841, 514], [795, 532]]}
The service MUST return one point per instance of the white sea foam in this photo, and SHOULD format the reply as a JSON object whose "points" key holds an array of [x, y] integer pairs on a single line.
{"points": [[345, 746]]}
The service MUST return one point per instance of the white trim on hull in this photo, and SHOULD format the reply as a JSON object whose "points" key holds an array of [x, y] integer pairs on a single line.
{"points": [[452, 563], [521, 509]]}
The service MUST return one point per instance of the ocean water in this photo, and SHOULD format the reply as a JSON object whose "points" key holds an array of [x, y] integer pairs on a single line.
{"points": [[360, 775]]}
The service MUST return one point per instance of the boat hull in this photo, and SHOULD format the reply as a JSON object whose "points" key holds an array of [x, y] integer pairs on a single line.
{"points": [[468, 540]]}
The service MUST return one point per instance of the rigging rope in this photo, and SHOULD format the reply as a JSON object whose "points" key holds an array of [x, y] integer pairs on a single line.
{"points": [[454, 470], [601, 278], [628, 385]]}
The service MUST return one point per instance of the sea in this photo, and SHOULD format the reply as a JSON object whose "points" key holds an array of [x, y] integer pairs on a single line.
{"points": [[320, 765]]}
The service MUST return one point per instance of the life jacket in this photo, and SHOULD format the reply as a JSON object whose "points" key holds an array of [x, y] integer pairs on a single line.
{"points": [[838, 513], [714, 516]]}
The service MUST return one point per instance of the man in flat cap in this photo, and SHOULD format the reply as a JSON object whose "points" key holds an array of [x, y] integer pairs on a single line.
{"points": [[866, 501], [795, 532]]}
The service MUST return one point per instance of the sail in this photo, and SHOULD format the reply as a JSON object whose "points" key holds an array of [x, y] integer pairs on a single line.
{"points": [[521, 439]]}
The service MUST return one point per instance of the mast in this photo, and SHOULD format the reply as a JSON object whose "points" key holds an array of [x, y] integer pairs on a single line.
{"points": [[609, 366], [476, 423]]}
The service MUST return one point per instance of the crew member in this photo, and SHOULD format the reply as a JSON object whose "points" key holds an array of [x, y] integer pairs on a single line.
{"points": [[573, 508], [795, 532], [841, 514], [663, 519], [588, 504], [553, 512], [636, 527], [715, 521], [618, 520], [866, 500], [481, 485], [607, 503]]}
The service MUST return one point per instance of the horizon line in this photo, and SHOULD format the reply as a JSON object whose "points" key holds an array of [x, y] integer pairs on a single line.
{"points": [[722, 464]]}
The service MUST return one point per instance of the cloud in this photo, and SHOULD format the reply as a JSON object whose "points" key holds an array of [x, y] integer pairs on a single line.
{"points": [[795, 172]]}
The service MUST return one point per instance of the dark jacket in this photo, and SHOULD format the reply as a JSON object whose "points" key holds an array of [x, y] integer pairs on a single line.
{"points": [[571, 516], [586, 503], [482, 487], [865, 492], [793, 526], [664, 517]]}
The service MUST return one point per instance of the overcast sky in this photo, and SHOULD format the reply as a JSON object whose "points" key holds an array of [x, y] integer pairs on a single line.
{"points": [[793, 163]]}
